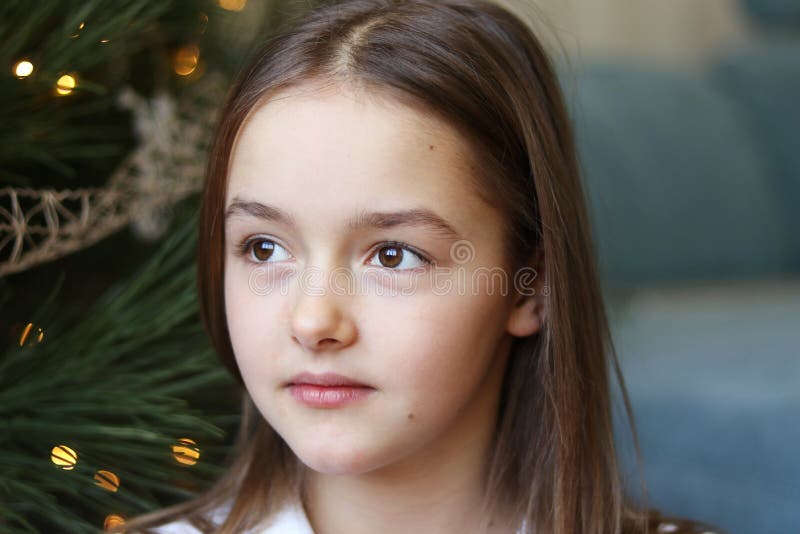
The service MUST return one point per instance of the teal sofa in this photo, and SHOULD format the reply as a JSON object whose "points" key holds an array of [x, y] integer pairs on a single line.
{"points": [[693, 182]]}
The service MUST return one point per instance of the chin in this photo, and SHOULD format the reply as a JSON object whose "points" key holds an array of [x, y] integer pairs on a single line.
{"points": [[328, 464], [335, 457]]}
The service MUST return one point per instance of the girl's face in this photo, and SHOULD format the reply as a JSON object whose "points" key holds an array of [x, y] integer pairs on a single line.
{"points": [[322, 186]]}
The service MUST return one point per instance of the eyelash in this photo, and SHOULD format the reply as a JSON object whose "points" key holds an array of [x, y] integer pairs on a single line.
{"points": [[245, 246]]}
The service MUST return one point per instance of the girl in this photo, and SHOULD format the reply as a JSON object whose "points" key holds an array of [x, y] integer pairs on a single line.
{"points": [[395, 263]]}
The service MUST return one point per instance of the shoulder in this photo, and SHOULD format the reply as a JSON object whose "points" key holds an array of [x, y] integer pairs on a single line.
{"points": [[208, 522], [291, 519], [665, 524], [176, 527]]}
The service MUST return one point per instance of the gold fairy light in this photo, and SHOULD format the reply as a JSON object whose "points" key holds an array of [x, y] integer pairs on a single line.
{"points": [[112, 521], [66, 84], [232, 5], [186, 452], [198, 72], [30, 335], [186, 59], [23, 69], [81, 26], [64, 457], [107, 480]]}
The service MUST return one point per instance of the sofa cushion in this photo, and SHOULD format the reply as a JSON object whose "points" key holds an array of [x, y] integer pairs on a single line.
{"points": [[772, 13], [677, 189], [764, 78], [714, 379]]}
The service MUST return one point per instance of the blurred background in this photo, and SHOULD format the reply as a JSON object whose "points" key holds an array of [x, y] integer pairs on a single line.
{"points": [[686, 115], [687, 118]]}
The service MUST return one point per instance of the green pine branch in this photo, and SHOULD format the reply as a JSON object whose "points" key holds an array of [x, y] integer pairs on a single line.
{"points": [[111, 386], [105, 45]]}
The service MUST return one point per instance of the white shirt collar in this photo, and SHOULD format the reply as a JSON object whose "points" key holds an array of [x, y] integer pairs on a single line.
{"points": [[291, 519]]}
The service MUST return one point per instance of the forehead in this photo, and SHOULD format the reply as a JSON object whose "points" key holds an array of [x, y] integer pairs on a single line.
{"points": [[306, 132], [333, 153]]}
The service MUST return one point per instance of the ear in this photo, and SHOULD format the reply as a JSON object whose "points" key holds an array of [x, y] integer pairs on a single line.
{"points": [[529, 308]]}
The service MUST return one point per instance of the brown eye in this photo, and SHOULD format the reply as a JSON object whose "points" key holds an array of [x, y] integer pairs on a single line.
{"points": [[390, 256], [399, 257], [263, 249]]}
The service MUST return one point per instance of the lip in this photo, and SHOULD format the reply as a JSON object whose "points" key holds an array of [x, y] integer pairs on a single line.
{"points": [[328, 396], [325, 379]]}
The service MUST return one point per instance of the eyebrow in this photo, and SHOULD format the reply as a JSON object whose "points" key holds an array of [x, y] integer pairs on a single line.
{"points": [[413, 217]]}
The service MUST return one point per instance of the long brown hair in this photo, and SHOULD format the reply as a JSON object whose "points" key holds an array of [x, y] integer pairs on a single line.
{"points": [[480, 68]]}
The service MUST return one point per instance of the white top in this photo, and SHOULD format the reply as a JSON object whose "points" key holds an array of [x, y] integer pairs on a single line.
{"points": [[291, 519]]}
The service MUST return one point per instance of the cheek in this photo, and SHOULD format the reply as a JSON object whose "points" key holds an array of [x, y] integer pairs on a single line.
{"points": [[253, 320], [434, 344]]}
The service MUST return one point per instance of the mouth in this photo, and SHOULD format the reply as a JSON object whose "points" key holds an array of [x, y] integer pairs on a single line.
{"points": [[325, 380]]}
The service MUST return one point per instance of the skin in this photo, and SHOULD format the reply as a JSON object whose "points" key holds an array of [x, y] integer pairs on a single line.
{"points": [[412, 456]]}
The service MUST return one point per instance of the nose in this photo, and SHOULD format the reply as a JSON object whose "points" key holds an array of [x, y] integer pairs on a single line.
{"points": [[320, 320]]}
